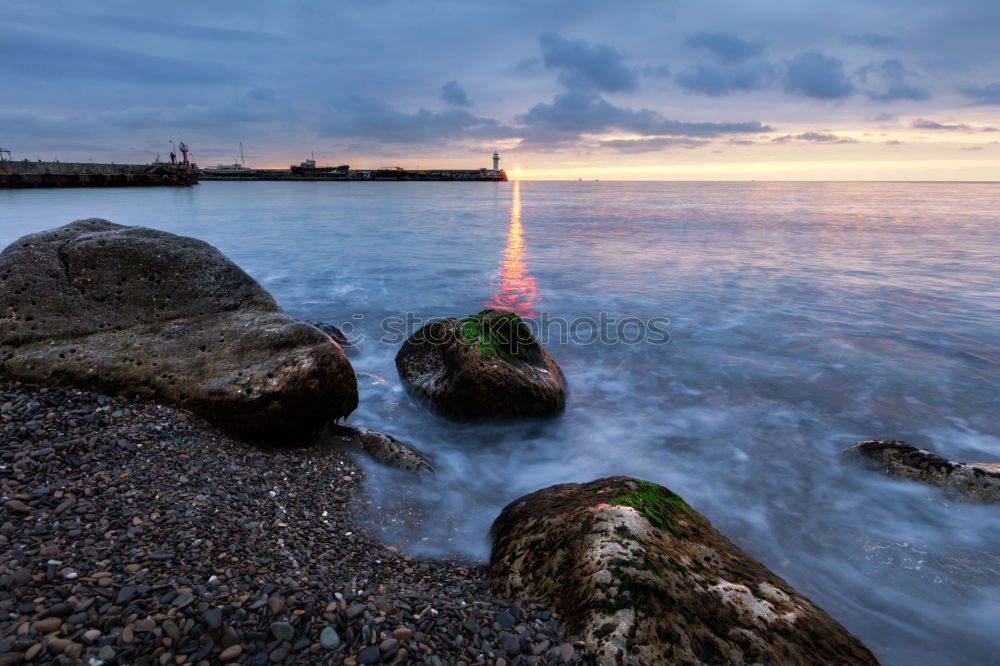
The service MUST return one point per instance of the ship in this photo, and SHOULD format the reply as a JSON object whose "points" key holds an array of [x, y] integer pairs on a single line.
{"points": [[234, 169], [309, 168]]}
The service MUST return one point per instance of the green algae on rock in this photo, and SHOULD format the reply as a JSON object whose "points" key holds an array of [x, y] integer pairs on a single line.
{"points": [[484, 365], [644, 579]]}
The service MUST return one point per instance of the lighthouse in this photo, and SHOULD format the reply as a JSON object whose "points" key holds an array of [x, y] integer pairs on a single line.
{"points": [[496, 161]]}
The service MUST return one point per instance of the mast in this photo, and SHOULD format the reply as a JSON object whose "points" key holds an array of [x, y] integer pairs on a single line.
{"points": [[242, 161]]}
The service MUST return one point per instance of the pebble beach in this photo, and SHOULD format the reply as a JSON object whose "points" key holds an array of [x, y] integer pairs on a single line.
{"points": [[136, 533]]}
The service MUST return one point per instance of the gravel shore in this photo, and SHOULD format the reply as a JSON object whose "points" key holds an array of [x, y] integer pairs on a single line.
{"points": [[135, 533]]}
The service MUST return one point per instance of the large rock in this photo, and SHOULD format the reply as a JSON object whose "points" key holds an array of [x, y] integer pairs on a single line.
{"points": [[644, 579], [975, 481], [485, 365], [145, 313]]}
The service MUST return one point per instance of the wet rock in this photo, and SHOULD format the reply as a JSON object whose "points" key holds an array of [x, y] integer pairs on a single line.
{"points": [[643, 578], [485, 365], [975, 481], [141, 312], [384, 448]]}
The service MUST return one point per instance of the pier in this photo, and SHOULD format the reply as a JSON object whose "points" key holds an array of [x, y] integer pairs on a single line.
{"points": [[25, 174], [356, 174]]}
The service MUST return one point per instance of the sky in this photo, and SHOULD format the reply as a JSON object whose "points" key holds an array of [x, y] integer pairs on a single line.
{"points": [[563, 89]]}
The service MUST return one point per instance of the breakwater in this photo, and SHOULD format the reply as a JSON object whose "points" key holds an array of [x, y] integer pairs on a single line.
{"points": [[25, 174], [357, 174]]}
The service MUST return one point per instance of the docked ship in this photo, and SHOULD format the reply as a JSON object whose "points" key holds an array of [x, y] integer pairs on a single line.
{"points": [[236, 169], [309, 168]]}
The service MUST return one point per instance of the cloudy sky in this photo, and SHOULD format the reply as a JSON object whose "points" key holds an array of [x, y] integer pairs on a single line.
{"points": [[769, 89]]}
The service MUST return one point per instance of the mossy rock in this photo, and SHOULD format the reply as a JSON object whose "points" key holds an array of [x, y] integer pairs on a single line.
{"points": [[645, 579], [485, 365]]}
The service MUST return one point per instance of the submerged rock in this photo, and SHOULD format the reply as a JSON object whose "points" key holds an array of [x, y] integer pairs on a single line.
{"points": [[485, 365], [977, 481], [384, 448], [145, 313], [645, 579]]}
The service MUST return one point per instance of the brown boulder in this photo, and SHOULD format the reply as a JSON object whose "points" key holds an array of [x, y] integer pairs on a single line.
{"points": [[145, 313], [484, 365], [975, 481], [644, 579]]}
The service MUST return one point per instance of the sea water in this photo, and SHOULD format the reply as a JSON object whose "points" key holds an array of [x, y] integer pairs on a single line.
{"points": [[768, 327]]}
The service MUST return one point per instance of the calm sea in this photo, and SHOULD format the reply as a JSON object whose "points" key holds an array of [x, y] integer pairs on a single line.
{"points": [[803, 317]]}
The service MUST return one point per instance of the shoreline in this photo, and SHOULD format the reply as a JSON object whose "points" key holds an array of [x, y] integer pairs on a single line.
{"points": [[135, 532]]}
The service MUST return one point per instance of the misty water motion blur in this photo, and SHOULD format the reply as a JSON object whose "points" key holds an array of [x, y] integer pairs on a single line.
{"points": [[804, 317]]}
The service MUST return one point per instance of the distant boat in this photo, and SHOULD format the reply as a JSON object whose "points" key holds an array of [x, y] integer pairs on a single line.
{"points": [[309, 168], [228, 169], [234, 169]]}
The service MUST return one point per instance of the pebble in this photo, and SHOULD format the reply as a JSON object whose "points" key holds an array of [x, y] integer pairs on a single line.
{"points": [[369, 655], [47, 626], [213, 618], [171, 629], [231, 652], [125, 595], [197, 573], [282, 631], [329, 638]]}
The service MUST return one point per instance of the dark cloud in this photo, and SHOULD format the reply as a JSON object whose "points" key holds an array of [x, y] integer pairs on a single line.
{"points": [[635, 146], [575, 113], [724, 46], [819, 76], [893, 142], [454, 94], [531, 66], [656, 71], [176, 31], [26, 54], [366, 117], [872, 40], [718, 80], [888, 82], [586, 67], [988, 94], [923, 123], [814, 137]]}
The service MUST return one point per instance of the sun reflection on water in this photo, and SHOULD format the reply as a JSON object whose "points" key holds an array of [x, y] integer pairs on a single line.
{"points": [[514, 289]]}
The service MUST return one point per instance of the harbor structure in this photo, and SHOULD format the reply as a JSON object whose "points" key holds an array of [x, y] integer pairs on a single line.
{"points": [[27, 174], [308, 170]]}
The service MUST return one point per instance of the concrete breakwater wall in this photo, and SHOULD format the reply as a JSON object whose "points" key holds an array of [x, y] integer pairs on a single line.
{"points": [[358, 174], [25, 174]]}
